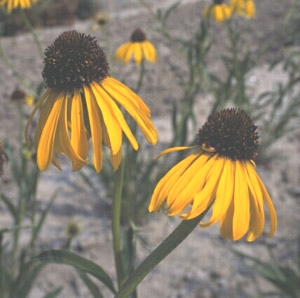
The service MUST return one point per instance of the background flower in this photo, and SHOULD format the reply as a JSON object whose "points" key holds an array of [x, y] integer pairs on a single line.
{"points": [[13, 4], [139, 47], [219, 11]]}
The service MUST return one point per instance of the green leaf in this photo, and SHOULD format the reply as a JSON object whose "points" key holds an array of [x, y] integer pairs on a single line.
{"points": [[10, 206], [78, 262], [94, 290], [43, 218]]}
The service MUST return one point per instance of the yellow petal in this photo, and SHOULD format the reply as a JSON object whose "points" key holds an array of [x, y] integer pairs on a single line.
{"points": [[174, 149], [128, 52], [257, 220], [142, 120], [226, 223], [224, 194], [137, 52], [118, 116], [190, 182], [116, 159], [45, 142], [62, 141], [168, 181], [79, 140], [272, 211], [150, 51], [120, 52], [95, 126], [38, 104], [205, 196], [112, 85], [112, 126], [241, 216]]}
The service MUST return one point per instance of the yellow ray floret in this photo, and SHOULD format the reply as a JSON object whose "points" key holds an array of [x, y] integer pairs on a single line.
{"points": [[68, 120], [232, 188], [137, 50], [13, 4]]}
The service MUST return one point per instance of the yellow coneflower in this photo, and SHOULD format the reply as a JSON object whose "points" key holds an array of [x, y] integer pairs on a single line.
{"points": [[219, 173], [13, 4], [219, 11], [139, 47], [245, 8], [82, 102]]}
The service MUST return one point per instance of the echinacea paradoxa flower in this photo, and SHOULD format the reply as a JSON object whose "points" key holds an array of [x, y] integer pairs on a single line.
{"points": [[83, 102], [13, 4], [219, 173], [138, 47], [218, 10], [245, 8]]}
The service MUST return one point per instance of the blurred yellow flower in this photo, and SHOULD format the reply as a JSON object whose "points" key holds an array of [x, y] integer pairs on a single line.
{"points": [[13, 4], [139, 47], [219, 11], [245, 8], [82, 102], [219, 173]]}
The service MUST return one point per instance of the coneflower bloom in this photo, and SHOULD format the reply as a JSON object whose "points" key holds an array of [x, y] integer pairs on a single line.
{"points": [[82, 102], [138, 47], [220, 172], [218, 10], [13, 4], [245, 8]]}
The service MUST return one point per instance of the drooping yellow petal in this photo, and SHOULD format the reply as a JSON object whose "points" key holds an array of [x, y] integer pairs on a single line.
{"points": [[188, 184], [146, 51], [62, 140], [241, 216], [117, 114], [38, 104], [165, 184], [95, 126], [205, 196], [272, 211], [149, 51], [112, 126], [137, 52], [116, 159], [112, 85], [226, 223], [142, 120], [224, 194], [45, 142], [121, 51], [78, 140], [257, 220]]}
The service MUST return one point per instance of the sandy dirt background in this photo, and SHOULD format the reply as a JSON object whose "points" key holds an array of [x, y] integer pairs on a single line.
{"points": [[203, 265]]}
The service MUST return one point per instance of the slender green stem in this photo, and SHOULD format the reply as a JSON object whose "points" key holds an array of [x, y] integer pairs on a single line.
{"points": [[141, 76], [32, 31], [116, 233], [167, 246]]}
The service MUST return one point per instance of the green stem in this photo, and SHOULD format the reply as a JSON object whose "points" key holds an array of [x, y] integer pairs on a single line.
{"points": [[141, 76], [167, 246], [31, 30], [116, 206]]}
